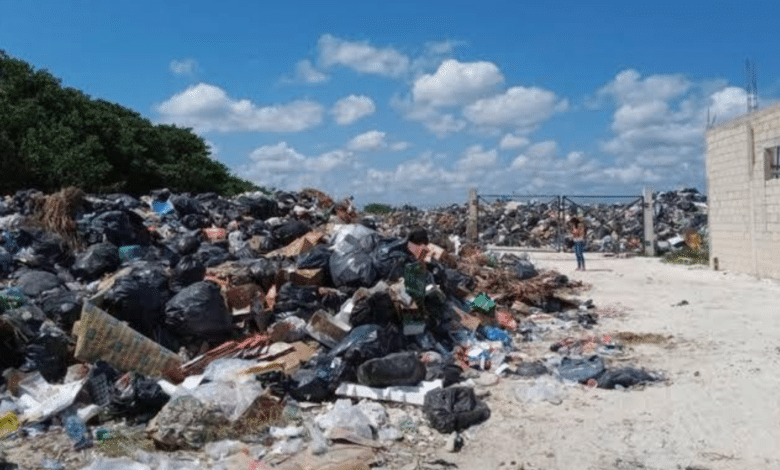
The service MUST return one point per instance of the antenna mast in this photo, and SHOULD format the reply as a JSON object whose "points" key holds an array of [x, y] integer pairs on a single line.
{"points": [[751, 87]]}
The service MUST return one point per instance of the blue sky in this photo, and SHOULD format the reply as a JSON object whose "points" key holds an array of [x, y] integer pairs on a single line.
{"points": [[415, 102]]}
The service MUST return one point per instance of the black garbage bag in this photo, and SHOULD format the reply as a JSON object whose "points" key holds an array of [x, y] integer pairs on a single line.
{"points": [[187, 205], [199, 311], [162, 253], [449, 372], [33, 283], [120, 228], [187, 244], [289, 231], [625, 377], [317, 257], [263, 272], [369, 342], [125, 200], [7, 263], [138, 300], [355, 269], [389, 258], [418, 236], [196, 221], [581, 370], [62, 307], [404, 368], [300, 301], [524, 269], [188, 271], [140, 402], [377, 309], [212, 255], [47, 353], [455, 279], [531, 369], [320, 380], [260, 209], [15, 241], [100, 383], [454, 409], [95, 261], [45, 251]]}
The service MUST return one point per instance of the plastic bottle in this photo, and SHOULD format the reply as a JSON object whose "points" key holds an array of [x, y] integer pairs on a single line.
{"points": [[77, 431]]}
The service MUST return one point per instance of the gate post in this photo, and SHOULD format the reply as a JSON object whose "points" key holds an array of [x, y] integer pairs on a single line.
{"points": [[649, 212], [471, 224]]}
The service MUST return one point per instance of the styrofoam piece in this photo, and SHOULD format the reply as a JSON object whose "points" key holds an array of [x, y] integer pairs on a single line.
{"points": [[412, 395]]}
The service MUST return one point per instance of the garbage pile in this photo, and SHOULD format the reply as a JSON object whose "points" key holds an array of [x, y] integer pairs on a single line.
{"points": [[538, 224], [211, 322]]}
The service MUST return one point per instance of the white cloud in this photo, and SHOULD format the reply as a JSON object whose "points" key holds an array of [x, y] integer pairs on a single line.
{"points": [[208, 108], [183, 67], [280, 157], [628, 87], [400, 146], [542, 150], [475, 158], [307, 73], [728, 103], [519, 107], [443, 47], [368, 141], [456, 83], [352, 108], [520, 162], [361, 57], [510, 141]]}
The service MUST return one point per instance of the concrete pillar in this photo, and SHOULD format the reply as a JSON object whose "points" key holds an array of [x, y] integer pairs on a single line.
{"points": [[471, 226], [649, 211]]}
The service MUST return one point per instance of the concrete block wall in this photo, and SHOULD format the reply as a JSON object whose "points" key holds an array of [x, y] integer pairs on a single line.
{"points": [[744, 207]]}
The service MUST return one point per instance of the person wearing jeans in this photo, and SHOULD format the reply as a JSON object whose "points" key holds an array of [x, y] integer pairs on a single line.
{"points": [[578, 234]]}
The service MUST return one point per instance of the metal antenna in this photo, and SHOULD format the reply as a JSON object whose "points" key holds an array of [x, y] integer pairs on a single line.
{"points": [[750, 86]]}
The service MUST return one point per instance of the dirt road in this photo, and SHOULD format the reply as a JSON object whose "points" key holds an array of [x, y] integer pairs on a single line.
{"points": [[719, 409]]}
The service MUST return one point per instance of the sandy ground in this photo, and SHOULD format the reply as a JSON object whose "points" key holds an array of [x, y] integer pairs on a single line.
{"points": [[718, 410]]}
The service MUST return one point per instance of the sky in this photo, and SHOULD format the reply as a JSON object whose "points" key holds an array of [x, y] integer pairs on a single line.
{"points": [[418, 101]]}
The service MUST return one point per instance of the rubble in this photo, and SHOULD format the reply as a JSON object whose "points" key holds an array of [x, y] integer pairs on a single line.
{"points": [[200, 319], [535, 223]]}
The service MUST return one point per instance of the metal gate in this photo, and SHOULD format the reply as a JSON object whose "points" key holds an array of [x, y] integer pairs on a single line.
{"points": [[538, 222]]}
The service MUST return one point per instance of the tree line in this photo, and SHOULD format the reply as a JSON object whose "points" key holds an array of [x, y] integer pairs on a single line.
{"points": [[53, 137]]}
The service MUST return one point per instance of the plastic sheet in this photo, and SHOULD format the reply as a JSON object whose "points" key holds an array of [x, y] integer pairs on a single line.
{"points": [[543, 389]]}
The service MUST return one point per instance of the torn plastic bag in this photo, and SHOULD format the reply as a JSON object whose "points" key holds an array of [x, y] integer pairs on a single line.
{"points": [[300, 301], [45, 251], [263, 272], [320, 380], [97, 260], [186, 205], [195, 221], [100, 383], [138, 300], [289, 231], [625, 377], [492, 333], [33, 283], [124, 200], [12, 298], [532, 369], [199, 311], [449, 372], [140, 400], [368, 342], [354, 237], [404, 368], [187, 243], [62, 307], [317, 257], [212, 255], [15, 241], [581, 370], [454, 409], [130, 253], [188, 271], [524, 269], [48, 353], [389, 258]]}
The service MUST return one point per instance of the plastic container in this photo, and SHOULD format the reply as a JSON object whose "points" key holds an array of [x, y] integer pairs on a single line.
{"points": [[77, 431]]}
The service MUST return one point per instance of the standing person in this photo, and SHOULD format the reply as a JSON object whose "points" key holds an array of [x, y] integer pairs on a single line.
{"points": [[578, 234]]}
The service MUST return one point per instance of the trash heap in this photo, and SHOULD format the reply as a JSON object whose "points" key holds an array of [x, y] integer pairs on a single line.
{"points": [[210, 323], [536, 224]]}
